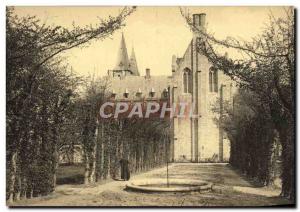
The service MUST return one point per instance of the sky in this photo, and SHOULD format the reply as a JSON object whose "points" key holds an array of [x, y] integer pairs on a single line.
{"points": [[155, 33]]}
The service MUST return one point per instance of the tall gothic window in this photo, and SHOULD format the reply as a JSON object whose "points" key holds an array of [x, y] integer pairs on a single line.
{"points": [[190, 82], [216, 81], [185, 84], [187, 81], [213, 80], [210, 81]]}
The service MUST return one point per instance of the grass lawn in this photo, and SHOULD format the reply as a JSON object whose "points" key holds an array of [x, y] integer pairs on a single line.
{"points": [[70, 174]]}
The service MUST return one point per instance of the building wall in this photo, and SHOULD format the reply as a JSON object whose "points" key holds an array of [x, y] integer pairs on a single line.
{"points": [[135, 83], [197, 139]]}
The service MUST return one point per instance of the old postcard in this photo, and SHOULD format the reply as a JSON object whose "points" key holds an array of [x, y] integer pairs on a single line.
{"points": [[150, 106]]}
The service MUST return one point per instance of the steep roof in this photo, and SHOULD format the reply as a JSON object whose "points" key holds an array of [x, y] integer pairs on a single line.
{"points": [[134, 84], [122, 58], [133, 64]]}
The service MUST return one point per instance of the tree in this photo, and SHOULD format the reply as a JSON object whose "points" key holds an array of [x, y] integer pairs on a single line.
{"points": [[39, 95], [142, 142], [268, 70], [248, 124]]}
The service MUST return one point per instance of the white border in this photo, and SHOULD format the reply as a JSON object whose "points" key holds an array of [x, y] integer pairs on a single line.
{"points": [[153, 2], [5, 3]]}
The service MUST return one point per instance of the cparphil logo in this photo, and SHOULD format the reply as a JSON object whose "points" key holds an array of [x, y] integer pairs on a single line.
{"points": [[145, 110]]}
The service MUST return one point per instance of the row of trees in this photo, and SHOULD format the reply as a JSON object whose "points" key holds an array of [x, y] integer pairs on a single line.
{"points": [[143, 142], [46, 111], [254, 141], [41, 97], [266, 102]]}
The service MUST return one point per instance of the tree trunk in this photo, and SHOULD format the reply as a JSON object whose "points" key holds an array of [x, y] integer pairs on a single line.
{"points": [[24, 188], [106, 162], [31, 193], [288, 163], [18, 193], [55, 164], [87, 169], [99, 154], [102, 153], [288, 170], [13, 173], [92, 176]]}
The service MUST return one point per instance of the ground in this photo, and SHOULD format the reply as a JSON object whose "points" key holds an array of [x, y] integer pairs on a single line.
{"points": [[230, 189]]}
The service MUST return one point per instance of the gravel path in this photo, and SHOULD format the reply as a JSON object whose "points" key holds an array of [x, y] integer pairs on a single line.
{"points": [[230, 189]]}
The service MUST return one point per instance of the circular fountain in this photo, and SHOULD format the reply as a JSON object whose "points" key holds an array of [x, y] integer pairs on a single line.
{"points": [[172, 185]]}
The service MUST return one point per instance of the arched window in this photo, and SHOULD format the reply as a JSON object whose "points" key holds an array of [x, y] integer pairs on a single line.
{"points": [[187, 81], [210, 81], [216, 87], [190, 82], [185, 84], [213, 80]]}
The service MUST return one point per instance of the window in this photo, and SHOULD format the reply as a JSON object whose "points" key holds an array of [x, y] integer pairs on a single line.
{"points": [[210, 81], [190, 82], [165, 93], [187, 81], [213, 80], [113, 93], [139, 93], [152, 93], [216, 80], [126, 93]]}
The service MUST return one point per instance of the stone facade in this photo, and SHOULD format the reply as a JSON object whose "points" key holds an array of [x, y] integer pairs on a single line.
{"points": [[193, 80]]}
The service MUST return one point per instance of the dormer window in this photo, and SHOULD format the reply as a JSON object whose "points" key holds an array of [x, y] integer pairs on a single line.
{"points": [[126, 93], [152, 93], [139, 93], [165, 93], [113, 94]]}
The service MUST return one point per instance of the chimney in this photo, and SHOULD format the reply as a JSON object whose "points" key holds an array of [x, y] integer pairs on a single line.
{"points": [[147, 73], [174, 65], [199, 21], [226, 55]]}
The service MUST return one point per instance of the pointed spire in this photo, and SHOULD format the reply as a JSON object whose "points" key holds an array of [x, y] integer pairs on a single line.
{"points": [[133, 64], [122, 61]]}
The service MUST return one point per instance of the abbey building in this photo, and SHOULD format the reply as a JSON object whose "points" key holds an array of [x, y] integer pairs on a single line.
{"points": [[192, 79]]}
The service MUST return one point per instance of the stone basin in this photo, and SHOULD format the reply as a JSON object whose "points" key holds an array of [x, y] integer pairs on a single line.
{"points": [[175, 185]]}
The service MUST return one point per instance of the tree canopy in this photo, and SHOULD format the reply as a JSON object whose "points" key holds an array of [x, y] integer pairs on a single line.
{"points": [[267, 73]]}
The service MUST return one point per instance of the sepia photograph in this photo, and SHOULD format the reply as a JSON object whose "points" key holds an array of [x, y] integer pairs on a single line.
{"points": [[150, 106]]}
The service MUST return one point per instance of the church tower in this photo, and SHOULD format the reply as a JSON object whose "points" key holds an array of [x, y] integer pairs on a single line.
{"points": [[124, 66], [122, 59], [133, 64]]}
